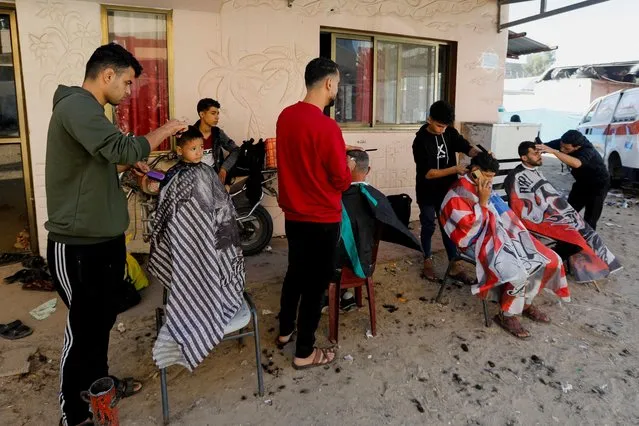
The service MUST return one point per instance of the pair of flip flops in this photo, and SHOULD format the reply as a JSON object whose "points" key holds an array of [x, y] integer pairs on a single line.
{"points": [[15, 330]]}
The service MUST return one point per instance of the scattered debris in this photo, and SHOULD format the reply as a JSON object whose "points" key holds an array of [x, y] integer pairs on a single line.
{"points": [[390, 308], [370, 357], [464, 347], [268, 402], [121, 327], [566, 388], [43, 311], [348, 358], [266, 312], [268, 249], [418, 405], [369, 334]]}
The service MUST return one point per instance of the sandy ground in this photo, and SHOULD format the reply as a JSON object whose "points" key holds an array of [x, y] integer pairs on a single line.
{"points": [[429, 364]]}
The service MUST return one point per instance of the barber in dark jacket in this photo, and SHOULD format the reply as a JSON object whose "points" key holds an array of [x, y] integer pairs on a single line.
{"points": [[592, 180], [435, 151], [215, 140]]}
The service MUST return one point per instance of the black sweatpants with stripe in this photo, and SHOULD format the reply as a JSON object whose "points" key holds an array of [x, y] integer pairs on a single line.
{"points": [[85, 276]]}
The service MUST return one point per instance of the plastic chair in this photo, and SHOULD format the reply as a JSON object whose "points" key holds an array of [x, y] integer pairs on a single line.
{"points": [[235, 330], [348, 279], [463, 258]]}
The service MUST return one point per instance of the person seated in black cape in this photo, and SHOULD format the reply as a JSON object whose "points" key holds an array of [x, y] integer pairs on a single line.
{"points": [[367, 217]]}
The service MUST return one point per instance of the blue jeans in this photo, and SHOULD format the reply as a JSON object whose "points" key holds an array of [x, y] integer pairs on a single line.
{"points": [[428, 215]]}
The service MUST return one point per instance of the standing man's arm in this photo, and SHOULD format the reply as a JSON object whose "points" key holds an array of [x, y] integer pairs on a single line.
{"points": [[568, 160], [460, 144], [90, 127], [333, 153], [427, 165]]}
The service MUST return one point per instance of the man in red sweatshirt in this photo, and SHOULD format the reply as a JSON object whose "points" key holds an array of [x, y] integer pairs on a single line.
{"points": [[313, 171]]}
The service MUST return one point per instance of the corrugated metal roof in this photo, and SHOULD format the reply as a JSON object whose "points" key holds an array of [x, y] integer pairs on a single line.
{"points": [[519, 44]]}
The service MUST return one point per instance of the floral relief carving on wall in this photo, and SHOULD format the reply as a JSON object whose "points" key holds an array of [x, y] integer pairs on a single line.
{"points": [[416, 9], [258, 83], [63, 45]]}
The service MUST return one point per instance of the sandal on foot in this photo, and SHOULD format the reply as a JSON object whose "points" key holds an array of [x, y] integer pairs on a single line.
{"points": [[533, 313], [511, 325], [320, 359], [127, 387]]}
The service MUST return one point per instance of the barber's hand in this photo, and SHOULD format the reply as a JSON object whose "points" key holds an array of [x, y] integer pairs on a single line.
{"points": [[354, 148], [461, 169], [142, 166], [484, 188], [546, 148], [175, 126], [222, 176]]}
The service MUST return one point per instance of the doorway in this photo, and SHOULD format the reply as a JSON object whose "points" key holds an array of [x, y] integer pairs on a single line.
{"points": [[17, 215]]}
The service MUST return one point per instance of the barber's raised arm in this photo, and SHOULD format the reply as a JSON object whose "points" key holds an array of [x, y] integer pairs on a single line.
{"points": [[88, 125], [332, 150]]}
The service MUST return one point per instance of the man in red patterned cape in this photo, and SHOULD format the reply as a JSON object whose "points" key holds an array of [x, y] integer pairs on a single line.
{"points": [[512, 266], [544, 211]]}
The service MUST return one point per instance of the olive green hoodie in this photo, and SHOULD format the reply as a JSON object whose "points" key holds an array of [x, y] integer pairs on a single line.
{"points": [[85, 202]]}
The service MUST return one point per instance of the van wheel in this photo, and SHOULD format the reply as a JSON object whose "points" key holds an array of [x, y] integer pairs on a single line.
{"points": [[616, 170]]}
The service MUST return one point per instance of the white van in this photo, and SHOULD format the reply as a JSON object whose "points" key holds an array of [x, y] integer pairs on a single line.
{"points": [[612, 125]]}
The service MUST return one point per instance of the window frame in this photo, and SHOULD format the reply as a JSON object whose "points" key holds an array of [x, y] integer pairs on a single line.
{"points": [[104, 18], [375, 39]]}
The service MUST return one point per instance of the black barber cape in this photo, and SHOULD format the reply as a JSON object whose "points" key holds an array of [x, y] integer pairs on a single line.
{"points": [[365, 212]]}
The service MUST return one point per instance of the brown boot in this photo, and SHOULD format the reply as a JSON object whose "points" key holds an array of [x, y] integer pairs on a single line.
{"points": [[428, 272]]}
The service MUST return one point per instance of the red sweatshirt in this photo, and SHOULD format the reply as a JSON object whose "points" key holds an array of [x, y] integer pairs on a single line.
{"points": [[311, 165]]}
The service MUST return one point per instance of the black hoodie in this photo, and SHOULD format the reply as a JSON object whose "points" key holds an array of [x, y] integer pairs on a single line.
{"points": [[436, 152]]}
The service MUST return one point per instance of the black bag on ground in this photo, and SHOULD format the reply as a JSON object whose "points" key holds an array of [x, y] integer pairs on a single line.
{"points": [[401, 204]]}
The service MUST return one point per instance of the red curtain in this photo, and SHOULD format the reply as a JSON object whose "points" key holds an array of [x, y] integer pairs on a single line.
{"points": [[364, 85], [148, 106]]}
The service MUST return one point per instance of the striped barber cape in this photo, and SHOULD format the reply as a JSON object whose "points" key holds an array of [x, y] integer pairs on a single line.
{"points": [[196, 254], [504, 250]]}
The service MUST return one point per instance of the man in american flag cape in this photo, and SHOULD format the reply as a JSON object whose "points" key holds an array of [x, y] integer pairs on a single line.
{"points": [[512, 266], [544, 211]]}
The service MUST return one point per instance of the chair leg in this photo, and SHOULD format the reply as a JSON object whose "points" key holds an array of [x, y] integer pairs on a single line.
{"points": [[258, 356], [240, 341], [333, 312], [358, 297], [444, 281], [485, 308], [159, 320], [370, 289], [165, 396]]}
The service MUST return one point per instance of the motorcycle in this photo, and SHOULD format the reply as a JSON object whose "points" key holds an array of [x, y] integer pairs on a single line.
{"points": [[254, 221]]}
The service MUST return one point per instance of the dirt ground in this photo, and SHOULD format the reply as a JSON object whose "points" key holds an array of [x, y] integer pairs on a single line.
{"points": [[429, 364]]}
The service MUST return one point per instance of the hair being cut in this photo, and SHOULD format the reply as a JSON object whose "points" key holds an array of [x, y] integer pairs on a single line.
{"points": [[361, 158], [318, 69], [112, 56], [188, 135], [442, 112], [204, 104], [524, 147], [486, 162]]}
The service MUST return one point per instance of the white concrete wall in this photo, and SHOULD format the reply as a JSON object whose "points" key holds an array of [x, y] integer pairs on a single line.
{"points": [[251, 54]]}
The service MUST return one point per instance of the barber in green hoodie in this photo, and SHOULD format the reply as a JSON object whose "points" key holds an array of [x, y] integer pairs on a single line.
{"points": [[88, 216]]}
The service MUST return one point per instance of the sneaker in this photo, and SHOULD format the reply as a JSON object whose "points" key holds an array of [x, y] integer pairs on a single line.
{"points": [[347, 305]]}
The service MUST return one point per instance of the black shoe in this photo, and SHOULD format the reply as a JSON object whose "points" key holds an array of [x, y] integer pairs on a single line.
{"points": [[347, 305]]}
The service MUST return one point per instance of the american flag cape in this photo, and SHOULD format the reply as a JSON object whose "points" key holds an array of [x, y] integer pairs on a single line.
{"points": [[543, 210], [196, 253], [504, 251]]}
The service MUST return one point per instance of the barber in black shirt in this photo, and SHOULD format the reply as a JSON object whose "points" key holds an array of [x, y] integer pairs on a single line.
{"points": [[592, 180]]}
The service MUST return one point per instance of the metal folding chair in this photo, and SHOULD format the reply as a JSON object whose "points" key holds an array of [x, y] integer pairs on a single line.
{"points": [[235, 330], [463, 258]]}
